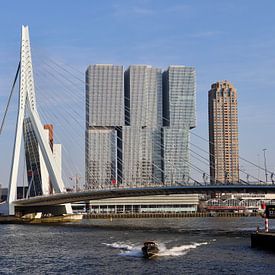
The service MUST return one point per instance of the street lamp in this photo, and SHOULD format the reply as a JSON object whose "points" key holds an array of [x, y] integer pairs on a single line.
{"points": [[265, 165]]}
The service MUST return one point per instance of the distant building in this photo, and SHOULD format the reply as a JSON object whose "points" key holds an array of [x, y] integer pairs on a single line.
{"points": [[179, 116], [142, 136], [174, 203], [137, 125], [105, 116], [38, 181], [223, 133], [3, 193]]}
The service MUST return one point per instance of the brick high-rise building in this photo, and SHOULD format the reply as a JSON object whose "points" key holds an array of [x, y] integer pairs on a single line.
{"points": [[223, 133]]}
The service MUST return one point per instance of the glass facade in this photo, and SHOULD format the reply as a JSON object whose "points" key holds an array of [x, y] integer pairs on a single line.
{"points": [[101, 152], [176, 155], [137, 125], [179, 116], [104, 118], [141, 156], [143, 96], [104, 96], [142, 137]]}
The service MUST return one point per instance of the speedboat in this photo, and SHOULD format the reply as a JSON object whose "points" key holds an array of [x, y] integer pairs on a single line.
{"points": [[150, 249]]}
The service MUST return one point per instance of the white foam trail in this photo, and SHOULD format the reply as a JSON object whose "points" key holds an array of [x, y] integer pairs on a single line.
{"points": [[135, 251], [128, 250], [119, 245], [179, 250]]}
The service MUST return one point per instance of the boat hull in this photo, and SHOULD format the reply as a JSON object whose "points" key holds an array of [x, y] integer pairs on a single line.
{"points": [[149, 253]]}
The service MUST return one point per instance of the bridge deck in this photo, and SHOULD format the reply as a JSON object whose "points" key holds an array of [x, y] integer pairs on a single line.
{"points": [[61, 198]]}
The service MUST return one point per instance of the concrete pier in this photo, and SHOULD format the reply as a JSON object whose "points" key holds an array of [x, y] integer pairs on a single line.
{"points": [[164, 215]]}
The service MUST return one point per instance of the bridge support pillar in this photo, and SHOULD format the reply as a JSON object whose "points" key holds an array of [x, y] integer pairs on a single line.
{"points": [[27, 102]]}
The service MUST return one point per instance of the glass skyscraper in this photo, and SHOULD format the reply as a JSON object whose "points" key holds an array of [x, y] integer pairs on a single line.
{"points": [[141, 136], [105, 115], [179, 116], [137, 124]]}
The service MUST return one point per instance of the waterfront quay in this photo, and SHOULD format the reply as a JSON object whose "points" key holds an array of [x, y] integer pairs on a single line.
{"points": [[166, 215]]}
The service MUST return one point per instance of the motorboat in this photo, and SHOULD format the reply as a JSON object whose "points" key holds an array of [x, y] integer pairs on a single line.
{"points": [[150, 249]]}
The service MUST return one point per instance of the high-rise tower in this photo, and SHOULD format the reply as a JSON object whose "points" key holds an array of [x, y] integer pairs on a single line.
{"points": [[223, 133], [142, 135], [104, 118], [127, 139], [179, 116]]}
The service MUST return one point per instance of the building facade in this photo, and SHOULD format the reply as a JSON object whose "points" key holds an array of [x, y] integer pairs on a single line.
{"points": [[183, 203], [105, 116], [138, 124], [143, 117], [179, 116], [37, 174], [223, 133]]}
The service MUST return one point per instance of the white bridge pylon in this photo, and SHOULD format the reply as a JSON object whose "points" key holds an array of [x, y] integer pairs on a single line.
{"points": [[27, 102]]}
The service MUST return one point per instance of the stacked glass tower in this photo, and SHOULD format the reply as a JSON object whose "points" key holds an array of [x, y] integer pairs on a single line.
{"points": [[179, 117], [104, 119], [141, 136], [137, 124]]}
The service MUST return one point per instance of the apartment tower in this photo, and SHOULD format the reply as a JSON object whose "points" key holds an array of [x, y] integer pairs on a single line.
{"points": [[138, 124], [179, 116], [223, 133], [142, 133], [104, 119]]}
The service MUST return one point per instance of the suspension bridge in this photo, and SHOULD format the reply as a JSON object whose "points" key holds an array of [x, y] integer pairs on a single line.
{"points": [[51, 192]]}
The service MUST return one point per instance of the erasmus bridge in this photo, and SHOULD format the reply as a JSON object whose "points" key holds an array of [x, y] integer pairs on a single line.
{"points": [[59, 197]]}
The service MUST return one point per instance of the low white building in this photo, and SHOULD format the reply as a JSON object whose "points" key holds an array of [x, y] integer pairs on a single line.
{"points": [[177, 203]]}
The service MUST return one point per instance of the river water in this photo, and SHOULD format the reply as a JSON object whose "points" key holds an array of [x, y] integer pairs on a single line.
{"points": [[187, 246]]}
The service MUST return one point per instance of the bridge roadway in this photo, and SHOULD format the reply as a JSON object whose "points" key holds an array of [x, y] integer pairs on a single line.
{"points": [[70, 197]]}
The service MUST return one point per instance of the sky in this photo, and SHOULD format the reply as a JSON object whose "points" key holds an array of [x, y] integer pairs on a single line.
{"points": [[232, 40]]}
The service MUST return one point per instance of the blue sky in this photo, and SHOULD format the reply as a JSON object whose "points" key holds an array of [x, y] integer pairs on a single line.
{"points": [[233, 40]]}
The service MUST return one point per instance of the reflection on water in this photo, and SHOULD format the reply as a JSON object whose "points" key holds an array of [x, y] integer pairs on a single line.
{"points": [[187, 246]]}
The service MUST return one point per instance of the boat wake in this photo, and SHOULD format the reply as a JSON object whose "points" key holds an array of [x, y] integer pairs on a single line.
{"points": [[131, 250], [178, 250], [126, 249], [119, 245]]}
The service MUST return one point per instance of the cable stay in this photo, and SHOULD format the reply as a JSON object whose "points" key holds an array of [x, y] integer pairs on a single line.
{"points": [[9, 99], [65, 80]]}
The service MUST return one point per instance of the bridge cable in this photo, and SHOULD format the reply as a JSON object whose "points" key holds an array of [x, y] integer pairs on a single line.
{"points": [[125, 106], [9, 99], [77, 78]]}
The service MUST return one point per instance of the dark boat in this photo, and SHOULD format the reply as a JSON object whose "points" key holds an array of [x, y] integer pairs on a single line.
{"points": [[150, 249]]}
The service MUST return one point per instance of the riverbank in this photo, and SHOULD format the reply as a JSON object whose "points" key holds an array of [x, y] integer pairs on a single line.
{"points": [[31, 218], [166, 215], [76, 217]]}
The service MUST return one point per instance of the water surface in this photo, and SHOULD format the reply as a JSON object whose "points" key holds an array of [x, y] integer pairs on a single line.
{"points": [[187, 246]]}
